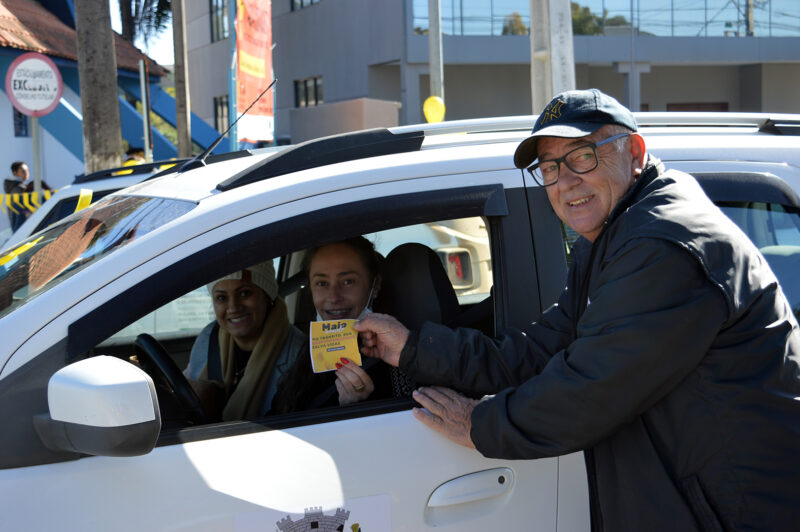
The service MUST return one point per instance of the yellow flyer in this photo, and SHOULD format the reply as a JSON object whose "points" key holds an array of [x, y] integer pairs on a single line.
{"points": [[331, 341]]}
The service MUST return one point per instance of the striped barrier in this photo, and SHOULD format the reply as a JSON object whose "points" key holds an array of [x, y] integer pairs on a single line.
{"points": [[23, 201]]}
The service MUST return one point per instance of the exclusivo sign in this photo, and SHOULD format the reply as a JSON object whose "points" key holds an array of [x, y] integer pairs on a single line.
{"points": [[34, 84]]}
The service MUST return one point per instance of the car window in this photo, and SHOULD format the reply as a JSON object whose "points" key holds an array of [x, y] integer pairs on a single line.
{"points": [[775, 230], [44, 260], [454, 260], [462, 245], [183, 316]]}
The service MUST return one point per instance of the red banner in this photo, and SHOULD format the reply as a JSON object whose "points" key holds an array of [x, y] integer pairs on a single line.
{"points": [[254, 69]]}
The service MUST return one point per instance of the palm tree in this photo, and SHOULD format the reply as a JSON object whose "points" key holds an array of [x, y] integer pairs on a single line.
{"points": [[143, 18]]}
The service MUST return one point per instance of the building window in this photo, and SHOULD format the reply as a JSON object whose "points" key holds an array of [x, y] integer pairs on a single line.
{"points": [[221, 113], [300, 4], [219, 20], [21, 125], [308, 92]]}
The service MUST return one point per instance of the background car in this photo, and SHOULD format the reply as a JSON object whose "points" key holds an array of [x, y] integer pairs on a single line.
{"points": [[93, 186], [99, 444]]}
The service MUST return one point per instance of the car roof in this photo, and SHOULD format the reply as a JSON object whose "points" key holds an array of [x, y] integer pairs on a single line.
{"points": [[703, 137]]}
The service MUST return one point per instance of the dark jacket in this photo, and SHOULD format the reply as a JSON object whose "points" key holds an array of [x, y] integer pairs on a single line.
{"points": [[671, 359]]}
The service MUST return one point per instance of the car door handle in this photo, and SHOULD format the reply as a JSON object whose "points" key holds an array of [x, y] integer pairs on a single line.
{"points": [[473, 487]]}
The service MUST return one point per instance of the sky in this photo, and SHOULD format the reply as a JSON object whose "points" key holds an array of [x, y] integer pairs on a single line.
{"points": [[158, 48]]}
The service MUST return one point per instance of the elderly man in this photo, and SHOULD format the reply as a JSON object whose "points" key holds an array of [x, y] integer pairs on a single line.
{"points": [[671, 358]]}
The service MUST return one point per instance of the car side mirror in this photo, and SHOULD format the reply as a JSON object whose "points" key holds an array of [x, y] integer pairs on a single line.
{"points": [[100, 406]]}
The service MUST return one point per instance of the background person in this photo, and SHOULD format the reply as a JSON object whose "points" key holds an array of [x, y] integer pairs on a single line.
{"points": [[237, 361], [672, 358], [134, 156], [18, 183]]}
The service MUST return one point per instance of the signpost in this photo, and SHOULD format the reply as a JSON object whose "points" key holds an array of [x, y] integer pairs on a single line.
{"points": [[34, 86]]}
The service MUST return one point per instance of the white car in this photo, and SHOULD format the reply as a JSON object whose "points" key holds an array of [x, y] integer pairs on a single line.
{"points": [[89, 441], [92, 187]]}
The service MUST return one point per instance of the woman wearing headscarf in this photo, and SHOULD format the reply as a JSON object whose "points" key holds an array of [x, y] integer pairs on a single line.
{"points": [[237, 361]]}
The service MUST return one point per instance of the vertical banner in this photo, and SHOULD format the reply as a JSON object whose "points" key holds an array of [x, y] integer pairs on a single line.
{"points": [[254, 69]]}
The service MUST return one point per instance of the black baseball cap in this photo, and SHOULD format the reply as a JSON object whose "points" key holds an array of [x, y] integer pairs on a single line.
{"points": [[573, 114]]}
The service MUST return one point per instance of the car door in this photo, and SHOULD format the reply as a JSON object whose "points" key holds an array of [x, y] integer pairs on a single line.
{"points": [[370, 465], [552, 241]]}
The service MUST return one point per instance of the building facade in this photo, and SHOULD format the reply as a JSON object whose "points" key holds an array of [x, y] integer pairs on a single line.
{"points": [[350, 64]]}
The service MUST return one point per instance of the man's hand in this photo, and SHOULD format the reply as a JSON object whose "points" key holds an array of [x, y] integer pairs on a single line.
{"points": [[447, 412], [382, 336]]}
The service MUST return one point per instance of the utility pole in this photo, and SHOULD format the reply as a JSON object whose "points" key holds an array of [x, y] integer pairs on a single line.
{"points": [[435, 48], [97, 73], [750, 19], [552, 55], [182, 107]]}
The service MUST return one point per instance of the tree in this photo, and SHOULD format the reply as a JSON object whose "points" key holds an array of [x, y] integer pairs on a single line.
{"points": [[143, 18], [584, 22], [513, 25], [97, 75]]}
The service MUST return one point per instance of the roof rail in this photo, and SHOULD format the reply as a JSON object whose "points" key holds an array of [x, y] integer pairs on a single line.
{"points": [[124, 171], [476, 125], [173, 168], [775, 123], [781, 127], [329, 150]]}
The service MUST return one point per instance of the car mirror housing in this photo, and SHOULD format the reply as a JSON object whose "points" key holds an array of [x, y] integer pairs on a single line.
{"points": [[100, 406]]}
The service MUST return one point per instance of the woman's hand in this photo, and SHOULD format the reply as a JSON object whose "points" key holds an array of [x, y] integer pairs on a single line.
{"points": [[352, 382]]}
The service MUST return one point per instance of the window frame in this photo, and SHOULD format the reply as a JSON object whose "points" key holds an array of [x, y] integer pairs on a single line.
{"points": [[219, 20], [303, 89], [21, 124], [221, 110]]}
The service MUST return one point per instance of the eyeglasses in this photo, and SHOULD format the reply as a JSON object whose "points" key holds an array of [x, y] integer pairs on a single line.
{"points": [[580, 160]]}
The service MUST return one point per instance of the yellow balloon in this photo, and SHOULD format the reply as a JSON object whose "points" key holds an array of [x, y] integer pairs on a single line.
{"points": [[433, 109]]}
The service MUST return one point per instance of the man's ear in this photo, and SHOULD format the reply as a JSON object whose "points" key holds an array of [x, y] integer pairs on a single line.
{"points": [[638, 153], [377, 288]]}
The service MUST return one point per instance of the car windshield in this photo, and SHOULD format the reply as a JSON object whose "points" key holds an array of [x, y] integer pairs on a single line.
{"points": [[47, 258], [775, 230]]}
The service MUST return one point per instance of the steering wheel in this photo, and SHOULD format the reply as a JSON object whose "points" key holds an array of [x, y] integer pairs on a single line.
{"points": [[157, 363]]}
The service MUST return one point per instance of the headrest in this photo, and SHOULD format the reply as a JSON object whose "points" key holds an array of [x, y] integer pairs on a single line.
{"points": [[415, 287]]}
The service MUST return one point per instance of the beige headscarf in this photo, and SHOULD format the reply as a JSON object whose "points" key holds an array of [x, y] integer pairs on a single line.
{"points": [[247, 398]]}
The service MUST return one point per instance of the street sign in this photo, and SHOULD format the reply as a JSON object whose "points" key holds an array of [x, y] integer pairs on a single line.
{"points": [[34, 84]]}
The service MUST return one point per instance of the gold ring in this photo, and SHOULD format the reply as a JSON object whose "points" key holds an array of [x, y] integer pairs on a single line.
{"points": [[359, 388]]}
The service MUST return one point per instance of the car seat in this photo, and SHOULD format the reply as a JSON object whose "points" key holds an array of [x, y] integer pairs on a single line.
{"points": [[415, 287]]}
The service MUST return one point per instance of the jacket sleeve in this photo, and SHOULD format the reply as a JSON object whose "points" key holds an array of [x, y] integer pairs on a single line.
{"points": [[653, 316], [473, 363]]}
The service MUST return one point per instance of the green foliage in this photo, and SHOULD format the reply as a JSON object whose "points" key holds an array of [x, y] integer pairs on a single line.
{"points": [[513, 25], [619, 20], [144, 18], [584, 22], [164, 127]]}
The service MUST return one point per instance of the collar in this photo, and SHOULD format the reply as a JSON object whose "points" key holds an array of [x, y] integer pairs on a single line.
{"points": [[652, 169]]}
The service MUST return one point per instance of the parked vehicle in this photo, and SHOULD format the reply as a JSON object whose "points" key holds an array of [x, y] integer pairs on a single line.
{"points": [[89, 441], [90, 187]]}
